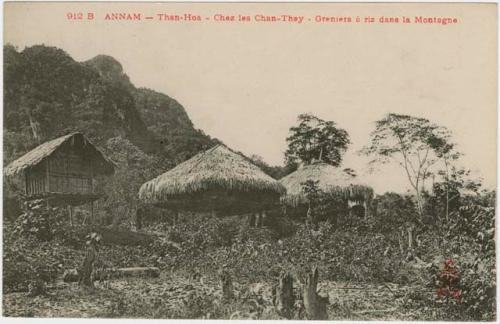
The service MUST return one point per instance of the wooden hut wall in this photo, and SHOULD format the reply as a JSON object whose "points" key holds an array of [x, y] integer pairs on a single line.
{"points": [[70, 172], [36, 179]]}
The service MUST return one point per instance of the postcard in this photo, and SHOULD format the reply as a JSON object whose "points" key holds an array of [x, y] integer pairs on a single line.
{"points": [[266, 161]]}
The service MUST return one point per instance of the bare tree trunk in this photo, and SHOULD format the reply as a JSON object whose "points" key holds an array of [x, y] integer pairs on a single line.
{"points": [[447, 190], [447, 203], [284, 295], [401, 249], [409, 253], [227, 284], [410, 237], [314, 304], [86, 273], [420, 204], [34, 127]]}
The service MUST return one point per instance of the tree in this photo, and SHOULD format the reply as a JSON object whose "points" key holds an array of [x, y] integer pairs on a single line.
{"points": [[323, 205], [447, 195], [316, 139], [415, 144], [134, 168], [313, 194], [276, 172]]}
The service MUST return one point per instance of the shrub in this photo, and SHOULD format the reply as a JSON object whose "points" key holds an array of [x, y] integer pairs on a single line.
{"points": [[26, 259], [392, 210], [447, 283], [282, 226], [479, 280], [470, 235], [479, 289], [39, 220]]}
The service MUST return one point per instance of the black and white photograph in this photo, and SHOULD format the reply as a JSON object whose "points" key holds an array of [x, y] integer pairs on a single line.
{"points": [[262, 161]]}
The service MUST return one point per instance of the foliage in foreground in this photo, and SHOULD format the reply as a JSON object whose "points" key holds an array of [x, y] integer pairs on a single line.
{"points": [[363, 252]]}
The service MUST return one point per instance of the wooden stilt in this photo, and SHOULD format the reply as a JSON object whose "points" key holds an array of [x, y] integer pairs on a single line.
{"points": [[84, 219], [47, 177], [263, 219], [70, 213], [251, 219], [26, 183], [176, 217], [92, 212]]}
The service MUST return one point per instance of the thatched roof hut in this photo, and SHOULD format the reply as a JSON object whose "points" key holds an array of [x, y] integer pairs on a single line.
{"points": [[102, 164], [218, 179], [62, 169], [330, 180]]}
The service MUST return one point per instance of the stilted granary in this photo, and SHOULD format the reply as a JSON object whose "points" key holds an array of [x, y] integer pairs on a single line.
{"points": [[62, 171], [218, 180], [331, 180]]}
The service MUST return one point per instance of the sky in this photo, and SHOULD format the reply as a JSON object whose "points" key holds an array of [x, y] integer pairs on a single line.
{"points": [[246, 83]]}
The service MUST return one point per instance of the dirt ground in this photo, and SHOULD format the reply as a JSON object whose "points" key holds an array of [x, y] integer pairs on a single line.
{"points": [[177, 297]]}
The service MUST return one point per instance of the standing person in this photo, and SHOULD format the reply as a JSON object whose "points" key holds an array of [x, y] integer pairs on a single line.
{"points": [[87, 269]]}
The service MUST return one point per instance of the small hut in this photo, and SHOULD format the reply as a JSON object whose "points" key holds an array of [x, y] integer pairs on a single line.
{"points": [[330, 180], [62, 170], [219, 181]]}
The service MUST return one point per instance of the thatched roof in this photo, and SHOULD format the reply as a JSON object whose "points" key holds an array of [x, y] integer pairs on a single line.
{"points": [[330, 180], [218, 178], [102, 164]]}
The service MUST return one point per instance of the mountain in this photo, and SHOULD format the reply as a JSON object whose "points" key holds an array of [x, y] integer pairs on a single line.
{"points": [[48, 94]]}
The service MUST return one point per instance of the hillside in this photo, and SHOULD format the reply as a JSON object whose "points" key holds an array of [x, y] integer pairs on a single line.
{"points": [[47, 94]]}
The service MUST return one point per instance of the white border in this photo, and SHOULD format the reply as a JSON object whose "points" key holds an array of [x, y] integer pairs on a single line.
{"points": [[149, 321]]}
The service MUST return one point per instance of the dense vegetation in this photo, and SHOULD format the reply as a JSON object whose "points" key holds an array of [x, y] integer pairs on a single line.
{"points": [[364, 252], [430, 255], [48, 94]]}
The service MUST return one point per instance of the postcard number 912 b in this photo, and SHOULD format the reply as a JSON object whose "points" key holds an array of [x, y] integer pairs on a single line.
{"points": [[80, 16]]}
